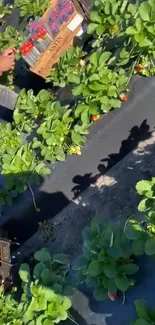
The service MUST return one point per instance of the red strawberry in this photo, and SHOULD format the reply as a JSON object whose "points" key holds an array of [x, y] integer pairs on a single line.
{"points": [[95, 117], [112, 296], [124, 98], [139, 67]]}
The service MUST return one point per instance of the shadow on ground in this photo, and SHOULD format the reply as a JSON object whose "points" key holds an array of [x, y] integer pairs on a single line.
{"points": [[22, 219]]}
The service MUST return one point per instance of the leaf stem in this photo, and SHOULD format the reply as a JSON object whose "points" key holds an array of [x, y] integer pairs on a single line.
{"points": [[72, 320], [33, 197]]}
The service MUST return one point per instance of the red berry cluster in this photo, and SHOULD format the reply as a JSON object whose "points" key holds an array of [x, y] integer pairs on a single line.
{"points": [[41, 32], [27, 47]]}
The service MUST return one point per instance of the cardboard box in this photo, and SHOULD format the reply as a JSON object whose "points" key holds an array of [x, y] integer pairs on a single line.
{"points": [[68, 35]]}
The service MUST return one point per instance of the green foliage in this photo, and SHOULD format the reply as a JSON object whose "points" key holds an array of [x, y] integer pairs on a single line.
{"points": [[44, 291], [30, 7], [17, 158], [68, 68], [142, 232], [30, 109], [11, 311], [10, 38], [4, 10], [106, 260], [107, 20], [145, 314], [41, 298], [99, 86]]}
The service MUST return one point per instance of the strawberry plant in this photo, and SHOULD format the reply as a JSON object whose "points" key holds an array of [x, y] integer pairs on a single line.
{"points": [[4, 10], [30, 109], [99, 86], [68, 68], [54, 132], [51, 271], [10, 38], [17, 158], [44, 289], [145, 314], [30, 7], [108, 18], [106, 260], [141, 36], [142, 232], [37, 300], [11, 311]]}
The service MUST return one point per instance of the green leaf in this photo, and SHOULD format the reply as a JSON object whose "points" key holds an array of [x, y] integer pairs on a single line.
{"points": [[91, 28], [122, 282], [46, 276], [150, 247], [100, 293], [129, 268], [142, 206], [95, 17], [57, 288], [94, 58], [141, 321], [80, 276], [61, 259], [76, 138], [138, 247], [131, 31], [80, 263], [72, 78], [38, 269], [77, 90], [143, 187], [40, 319], [143, 42], [43, 255], [24, 272], [67, 303], [112, 91], [94, 268], [104, 57], [60, 155], [115, 252], [110, 271], [85, 117], [44, 95], [132, 231], [80, 108], [142, 309], [139, 24], [42, 303], [48, 322], [145, 10]]}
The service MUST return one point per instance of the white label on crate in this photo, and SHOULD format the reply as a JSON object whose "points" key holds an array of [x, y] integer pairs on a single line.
{"points": [[81, 31], [75, 22]]}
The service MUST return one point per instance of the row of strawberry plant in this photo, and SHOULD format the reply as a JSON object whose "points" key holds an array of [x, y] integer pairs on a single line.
{"points": [[107, 264], [98, 83]]}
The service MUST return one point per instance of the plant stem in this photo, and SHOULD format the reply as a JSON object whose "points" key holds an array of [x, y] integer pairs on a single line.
{"points": [[124, 297], [33, 197], [72, 320]]}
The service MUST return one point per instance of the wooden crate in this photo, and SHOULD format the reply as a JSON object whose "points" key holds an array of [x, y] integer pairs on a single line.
{"points": [[64, 39]]}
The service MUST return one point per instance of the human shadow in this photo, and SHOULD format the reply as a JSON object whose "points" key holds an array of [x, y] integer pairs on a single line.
{"points": [[137, 134], [21, 219]]}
